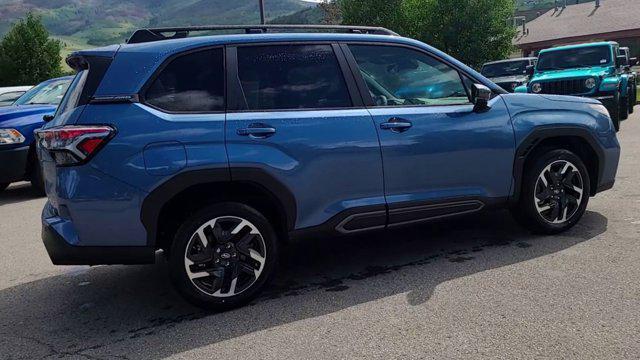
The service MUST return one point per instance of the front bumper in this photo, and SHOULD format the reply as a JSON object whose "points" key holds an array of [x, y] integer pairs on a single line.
{"points": [[13, 164], [60, 240]]}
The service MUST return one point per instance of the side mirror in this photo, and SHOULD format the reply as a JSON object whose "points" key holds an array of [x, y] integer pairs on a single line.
{"points": [[633, 61], [530, 69], [480, 97], [47, 118], [622, 60]]}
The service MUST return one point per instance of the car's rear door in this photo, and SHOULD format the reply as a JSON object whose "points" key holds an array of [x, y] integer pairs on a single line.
{"points": [[440, 157], [296, 121]]}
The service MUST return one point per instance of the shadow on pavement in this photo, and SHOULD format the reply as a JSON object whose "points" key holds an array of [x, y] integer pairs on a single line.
{"points": [[117, 311], [18, 193]]}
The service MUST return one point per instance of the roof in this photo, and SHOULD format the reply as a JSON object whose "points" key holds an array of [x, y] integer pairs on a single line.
{"points": [[134, 63], [510, 60], [582, 20], [578, 46]]}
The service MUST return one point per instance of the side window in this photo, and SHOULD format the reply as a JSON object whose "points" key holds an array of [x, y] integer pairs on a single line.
{"points": [[400, 76], [190, 83], [291, 77]]}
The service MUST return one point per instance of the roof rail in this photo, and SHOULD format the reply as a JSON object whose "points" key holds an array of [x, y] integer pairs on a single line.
{"points": [[157, 34]]}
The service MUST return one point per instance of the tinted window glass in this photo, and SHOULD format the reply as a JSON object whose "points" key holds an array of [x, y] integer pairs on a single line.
{"points": [[291, 77], [505, 68], [574, 58], [400, 76], [46, 93], [10, 96], [192, 82]]}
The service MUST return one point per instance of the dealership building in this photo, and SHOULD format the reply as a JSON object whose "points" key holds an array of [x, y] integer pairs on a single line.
{"points": [[616, 20]]}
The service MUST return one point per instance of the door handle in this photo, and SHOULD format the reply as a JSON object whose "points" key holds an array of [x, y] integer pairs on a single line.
{"points": [[257, 131], [397, 125]]}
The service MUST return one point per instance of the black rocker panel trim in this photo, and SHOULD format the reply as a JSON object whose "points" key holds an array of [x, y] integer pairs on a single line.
{"points": [[154, 202], [414, 214], [362, 222], [546, 132], [365, 218], [349, 221]]}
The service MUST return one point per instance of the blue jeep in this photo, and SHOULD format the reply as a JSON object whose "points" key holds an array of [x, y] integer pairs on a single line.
{"points": [[17, 123], [216, 149]]}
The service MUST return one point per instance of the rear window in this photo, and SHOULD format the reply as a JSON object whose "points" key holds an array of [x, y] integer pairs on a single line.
{"points": [[291, 77], [190, 83], [46, 93]]}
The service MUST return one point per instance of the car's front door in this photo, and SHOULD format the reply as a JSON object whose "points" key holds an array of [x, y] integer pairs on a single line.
{"points": [[439, 156]]}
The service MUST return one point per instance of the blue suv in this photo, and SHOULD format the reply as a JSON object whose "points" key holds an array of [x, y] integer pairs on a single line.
{"points": [[217, 149]]}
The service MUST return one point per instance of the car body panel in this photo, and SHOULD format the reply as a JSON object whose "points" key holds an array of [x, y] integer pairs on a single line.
{"points": [[329, 159], [442, 155]]}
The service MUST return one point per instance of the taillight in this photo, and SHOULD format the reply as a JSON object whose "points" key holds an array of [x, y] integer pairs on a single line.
{"points": [[72, 145]]}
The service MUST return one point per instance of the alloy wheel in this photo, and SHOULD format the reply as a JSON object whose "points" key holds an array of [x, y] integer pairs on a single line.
{"points": [[558, 192], [225, 256]]}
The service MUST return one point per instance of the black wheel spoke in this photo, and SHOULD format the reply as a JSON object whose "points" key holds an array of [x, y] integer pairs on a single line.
{"points": [[201, 257], [572, 200], [545, 194], [218, 233], [243, 238], [555, 212], [246, 268]]}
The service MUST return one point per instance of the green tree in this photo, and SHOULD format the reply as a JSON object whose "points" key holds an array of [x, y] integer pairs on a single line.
{"points": [[27, 54], [473, 31], [385, 13]]}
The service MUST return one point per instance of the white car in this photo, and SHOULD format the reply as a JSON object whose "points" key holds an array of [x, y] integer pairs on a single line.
{"points": [[10, 94]]}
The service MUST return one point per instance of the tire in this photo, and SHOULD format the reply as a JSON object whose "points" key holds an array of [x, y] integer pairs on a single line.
{"points": [[614, 111], [246, 250], [624, 107], [632, 99], [3, 186], [35, 176], [541, 208]]}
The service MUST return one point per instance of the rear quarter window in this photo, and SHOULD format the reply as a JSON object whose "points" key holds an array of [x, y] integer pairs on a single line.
{"points": [[192, 82], [72, 96]]}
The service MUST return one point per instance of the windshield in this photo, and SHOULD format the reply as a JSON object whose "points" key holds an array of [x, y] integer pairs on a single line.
{"points": [[47, 93], [574, 58], [509, 68]]}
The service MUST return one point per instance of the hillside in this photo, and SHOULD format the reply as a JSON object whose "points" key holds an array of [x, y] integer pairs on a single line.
{"points": [[100, 22]]}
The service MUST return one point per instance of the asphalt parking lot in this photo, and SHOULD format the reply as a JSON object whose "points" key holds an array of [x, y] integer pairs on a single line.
{"points": [[478, 287]]}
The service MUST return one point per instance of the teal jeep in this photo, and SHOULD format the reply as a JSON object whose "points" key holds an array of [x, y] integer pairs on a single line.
{"points": [[595, 70]]}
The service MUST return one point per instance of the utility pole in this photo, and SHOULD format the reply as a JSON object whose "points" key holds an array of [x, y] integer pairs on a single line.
{"points": [[262, 20]]}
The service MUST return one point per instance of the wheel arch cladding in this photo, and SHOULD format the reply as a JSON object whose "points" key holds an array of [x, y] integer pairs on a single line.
{"points": [[169, 203], [578, 140]]}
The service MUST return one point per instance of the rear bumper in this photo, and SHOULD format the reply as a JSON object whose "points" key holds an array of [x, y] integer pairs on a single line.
{"points": [[63, 252], [13, 164]]}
